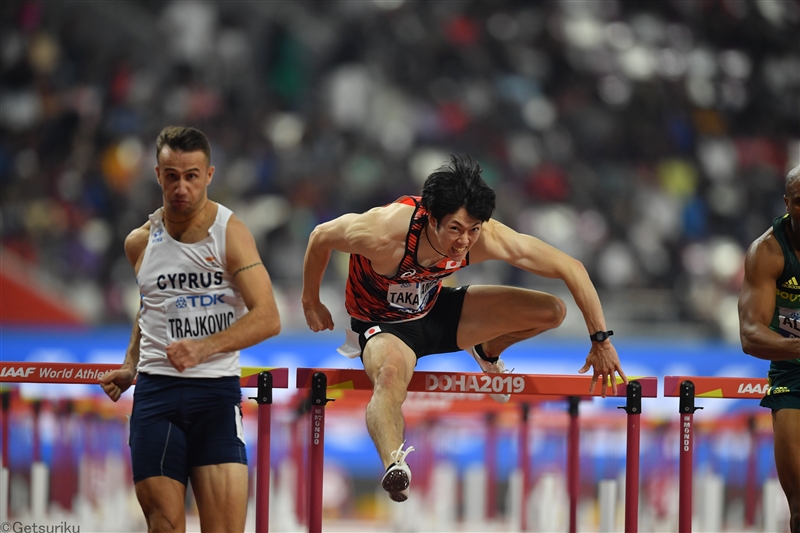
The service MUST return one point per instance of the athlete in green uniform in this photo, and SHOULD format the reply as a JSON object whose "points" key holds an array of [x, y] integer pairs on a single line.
{"points": [[769, 321]]}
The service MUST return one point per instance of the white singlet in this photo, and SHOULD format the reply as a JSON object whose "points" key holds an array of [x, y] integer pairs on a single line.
{"points": [[187, 293]]}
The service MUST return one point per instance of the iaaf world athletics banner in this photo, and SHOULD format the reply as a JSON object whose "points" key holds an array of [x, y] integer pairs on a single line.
{"points": [[297, 349]]}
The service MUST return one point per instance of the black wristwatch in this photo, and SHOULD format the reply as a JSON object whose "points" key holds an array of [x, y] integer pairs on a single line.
{"points": [[600, 336]]}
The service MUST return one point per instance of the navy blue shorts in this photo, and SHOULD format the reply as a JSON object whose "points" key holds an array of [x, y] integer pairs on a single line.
{"points": [[436, 332], [180, 423]]}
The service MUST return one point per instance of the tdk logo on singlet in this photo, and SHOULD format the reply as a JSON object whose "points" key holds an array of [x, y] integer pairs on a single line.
{"points": [[157, 235], [204, 300], [190, 280]]}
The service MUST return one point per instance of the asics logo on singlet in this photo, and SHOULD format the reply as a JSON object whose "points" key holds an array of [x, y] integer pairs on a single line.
{"points": [[791, 284], [157, 235], [436, 275]]}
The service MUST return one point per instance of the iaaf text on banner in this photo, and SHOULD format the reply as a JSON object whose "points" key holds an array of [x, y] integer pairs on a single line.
{"points": [[53, 372]]}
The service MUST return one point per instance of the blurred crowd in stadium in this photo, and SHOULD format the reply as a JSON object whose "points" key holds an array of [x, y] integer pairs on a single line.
{"points": [[649, 140]]}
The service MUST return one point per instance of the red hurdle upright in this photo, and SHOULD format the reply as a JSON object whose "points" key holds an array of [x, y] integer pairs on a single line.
{"points": [[524, 446], [688, 388], [265, 379], [634, 409], [573, 462], [266, 382], [6, 405], [491, 465], [319, 390], [555, 386]]}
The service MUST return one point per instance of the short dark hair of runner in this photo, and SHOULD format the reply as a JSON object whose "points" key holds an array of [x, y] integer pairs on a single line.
{"points": [[455, 185], [183, 139]]}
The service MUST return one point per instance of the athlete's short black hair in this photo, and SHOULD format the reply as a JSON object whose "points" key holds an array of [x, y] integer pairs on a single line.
{"points": [[455, 185], [183, 139]]}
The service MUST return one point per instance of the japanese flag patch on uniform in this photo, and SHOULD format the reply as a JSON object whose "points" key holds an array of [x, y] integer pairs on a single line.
{"points": [[372, 331]]}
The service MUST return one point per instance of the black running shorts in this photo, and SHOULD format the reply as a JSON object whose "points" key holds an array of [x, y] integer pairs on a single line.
{"points": [[434, 333], [181, 423], [784, 386]]}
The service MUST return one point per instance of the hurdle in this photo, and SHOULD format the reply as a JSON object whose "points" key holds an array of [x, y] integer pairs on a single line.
{"points": [[687, 388], [264, 379], [319, 380]]}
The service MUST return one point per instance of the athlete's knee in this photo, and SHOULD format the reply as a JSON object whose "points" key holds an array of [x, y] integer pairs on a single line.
{"points": [[555, 312], [162, 502], [389, 378], [163, 520]]}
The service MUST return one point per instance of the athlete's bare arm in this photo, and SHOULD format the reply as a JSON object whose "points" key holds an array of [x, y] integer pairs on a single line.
{"points": [[262, 320], [379, 235], [762, 267], [498, 241], [116, 382]]}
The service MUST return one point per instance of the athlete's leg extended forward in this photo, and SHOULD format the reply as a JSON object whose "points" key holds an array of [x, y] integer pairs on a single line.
{"points": [[389, 363], [495, 317]]}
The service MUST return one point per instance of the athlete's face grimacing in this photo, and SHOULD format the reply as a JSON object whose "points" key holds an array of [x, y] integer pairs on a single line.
{"points": [[183, 177], [457, 233]]}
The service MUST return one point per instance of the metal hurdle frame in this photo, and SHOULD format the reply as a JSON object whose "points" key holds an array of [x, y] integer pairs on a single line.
{"points": [[317, 379], [264, 379], [687, 388]]}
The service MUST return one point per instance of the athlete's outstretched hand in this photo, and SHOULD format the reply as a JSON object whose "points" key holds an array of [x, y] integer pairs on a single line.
{"points": [[185, 353], [116, 382], [317, 316], [603, 357]]}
